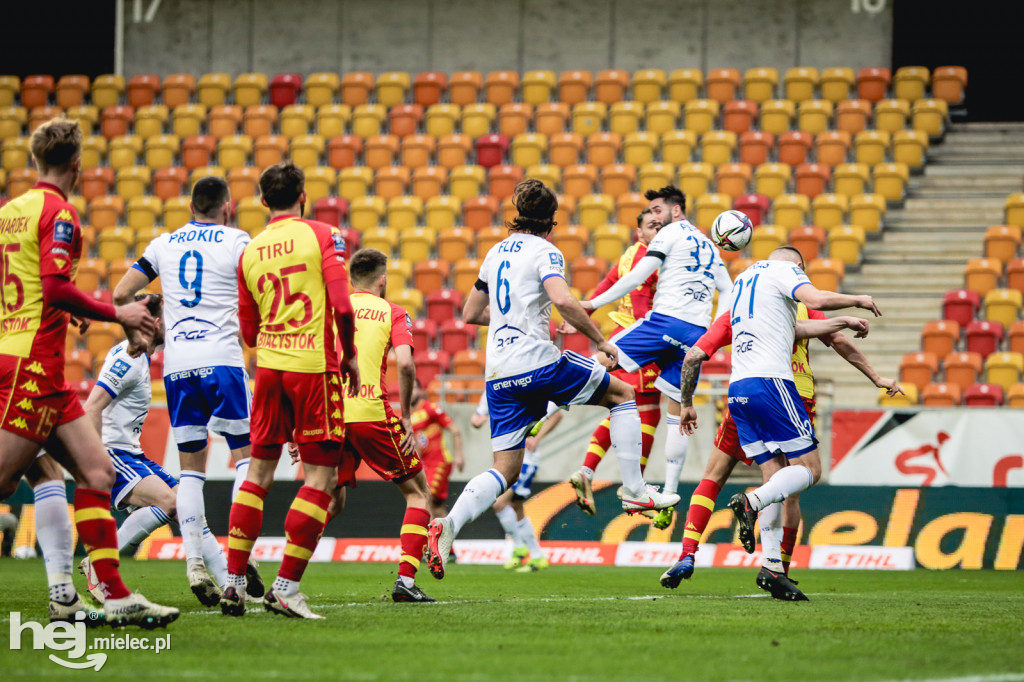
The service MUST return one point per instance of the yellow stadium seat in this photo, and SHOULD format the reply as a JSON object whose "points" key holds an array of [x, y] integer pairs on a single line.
{"points": [[213, 89], [12, 120], [685, 84], [910, 82], [114, 243], [383, 239], [529, 149], [478, 118], [368, 120], [890, 180], [106, 91], [765, 239], [94, 150], [366, 212], [144, 236], [399, 273], [234, 151], [709, 206], [404, 212], [930, 115], [791, 210], [845, 243], [701, 115], [836, 83], [16, 152], [759, 84], [624, 117], [638, 148], [772, 179], [814, 115], [910, 147], [296, 120], [595, 210], [176, 212], [250, 89], [133, 181], [442, 212], [441, 119], [319, 181], [693, 178], [1003, 306], [908, 398], [333, 119], [1014, 208], [252, 215], [1004, 369], [610, 241], [10, 86], [150, 120], [801, 83], [717, 146], [658, 175], [891, 114], [777, 115], [124, 151], [414, 243], [188, 119], [354, 182], [161, 150], [649, 85], [307, 150], [321, 88], [87, 117], [662, 117], [465, 182], [537, 86], [589, 117], [867, 211], [142, 212], [547, 173], [829, 210], [392, 87], [677, 146], [871, 147], [851, 179]]}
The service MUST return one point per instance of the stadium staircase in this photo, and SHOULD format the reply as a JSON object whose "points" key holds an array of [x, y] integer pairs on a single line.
{"points": [[925, 245]]}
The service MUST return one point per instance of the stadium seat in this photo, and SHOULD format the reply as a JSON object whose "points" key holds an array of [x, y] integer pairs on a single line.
{"points": [[101, 337], [177, 212], [948, 83], [322, 87], [800, 83], [814, 115], [649, 85], [677, 146], [930, 116], [701, 115], [464, 87], [766, 239], [826, 273], [12, 120], [982, 275], [21, 180], [941, 394], [332, 120], [809, 240], [891, 115], [443, 304], [455, 336], [354, 181], [722, 84], [213, 89], [94, 150], [197, 151], [384, 239], [249, 88], [405, 119], [537, 86], [391, 88], [610, 241], [96, 182], [890, 180], [657, 175], [36, 91], [603, 148], [739, 115], [684, 85], [551, 118], [306, 150], [344, 151], [940, 337], [1015, 274], [571, 240], [234, 151], [514, 118], [983, 395], [960, 305], [1003, 306], [161, 150], [142, 90], [610, 86], [908, 399], [124, 151], [587, 272], [851, 179], [404, 213], [188, 120], [424, 332], [296, 120], [873, 83], [468, 362], [430, 275], [756, 147], [707, 207], [105, 211], [1002, 242], [755, 206], [116, 120], [390, 182], [589, 118], [777, 115], [617, 179], [846, 244], [564, 149], [428, 181], [430, 364], [624, 117], [791, 210], [71, 90], [284, 90], [1014, 208], [811, 179], [867, 211], [853, 115], [871, 147], [465, 182], [355, 88], [759, 83], [114, 243], [428, 87], [910, 82], [366, 212], [919, 369], [795, 147], [453, 243], [639, 148], [331, 210], [963, 368], [453, 150], [627, 208], [1015, 396], [142, 212], [500, 87], [319, 182], [717, 146], [151, 120], [502, 180], [1004, 369], [380, 151], [10, 86], [480, 211], [252, 215], [491, 150], [828, 211], [732, 179], [133, 181], [368, 120], [595, 210], [92, 274], [549, 174], [772, 179], [465, 272], [178, 89], [831, 147], [41, 115]]}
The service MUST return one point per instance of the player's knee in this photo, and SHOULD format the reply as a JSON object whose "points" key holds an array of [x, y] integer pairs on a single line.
{"points": [[99, 477], [167, 501], [7, 486], [815, 469]]}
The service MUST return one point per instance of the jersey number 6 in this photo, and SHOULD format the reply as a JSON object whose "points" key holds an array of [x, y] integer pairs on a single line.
{"points": [[503, 305]]}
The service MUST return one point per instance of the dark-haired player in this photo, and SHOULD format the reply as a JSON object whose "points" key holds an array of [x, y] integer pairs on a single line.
{"points": [[41, 243], [689, 269], [204, 370], [293, 290], [520, 278], [429, 422]]}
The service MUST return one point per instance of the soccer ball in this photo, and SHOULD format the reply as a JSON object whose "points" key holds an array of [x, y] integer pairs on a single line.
{"points": [[24, 552], [731, 230]]}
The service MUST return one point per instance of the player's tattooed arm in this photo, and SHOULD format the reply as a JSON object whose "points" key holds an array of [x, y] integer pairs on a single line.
{"points": [[689, 373]]}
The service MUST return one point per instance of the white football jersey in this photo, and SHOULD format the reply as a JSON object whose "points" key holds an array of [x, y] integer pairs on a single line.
{"points": [[519, 336], [691, 270], [126, 379], [198, 269], [763, 315]]}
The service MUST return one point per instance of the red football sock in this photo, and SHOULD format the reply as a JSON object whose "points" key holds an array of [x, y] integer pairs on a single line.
{"points": [[702, 503], [414, 539], [303, 527], [788, 542], [98, 531], [600, 441], [244, 522]]}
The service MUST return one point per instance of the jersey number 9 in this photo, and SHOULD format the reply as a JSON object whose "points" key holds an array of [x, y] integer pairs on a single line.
{"points": [[196, 283]]}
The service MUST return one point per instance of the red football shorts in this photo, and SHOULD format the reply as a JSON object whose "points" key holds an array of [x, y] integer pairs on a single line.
{"points": [[642, 381], [296, 407], [33, 403], [728, 441], [379, 444], [438, 470]]}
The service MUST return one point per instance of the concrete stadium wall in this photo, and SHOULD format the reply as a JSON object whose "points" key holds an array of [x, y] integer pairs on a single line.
{"points": [[305, 36]]}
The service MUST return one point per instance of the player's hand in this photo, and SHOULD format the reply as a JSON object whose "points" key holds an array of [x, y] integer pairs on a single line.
{"points": [[868, 303], [350, 375], [565, 328], [135, 317], [587, 305], [408, 443], [293, 452], [458, 461], [688, 420], [890, 386], [859, 326], [531, 442], [610, 351], [81, 322]]}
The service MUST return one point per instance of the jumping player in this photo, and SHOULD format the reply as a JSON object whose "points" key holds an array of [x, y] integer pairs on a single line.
{"points": [[204, 371], [648, 398], [41, 243], [521, 277], [690, 269], [429, 422], [293, 290], [771, 421]]}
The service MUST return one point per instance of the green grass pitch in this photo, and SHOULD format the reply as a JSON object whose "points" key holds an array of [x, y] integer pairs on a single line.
{"points": [[568, 623]]}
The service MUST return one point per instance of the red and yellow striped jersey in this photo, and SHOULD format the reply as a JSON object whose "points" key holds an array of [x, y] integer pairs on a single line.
{"points": [[380, 325], [39, 236], [284, 271]]}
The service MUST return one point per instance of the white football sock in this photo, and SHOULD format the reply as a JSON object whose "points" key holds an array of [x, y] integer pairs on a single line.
{"points": [[770, 521], [783, 483], [285, 587], [676, 445], [587, 472], [53, 530], [191, 512], [213, 556], [138, 527], [241, 470], [627, 439], [508, 521], [478, 495], [529, 537], [531, 457]]}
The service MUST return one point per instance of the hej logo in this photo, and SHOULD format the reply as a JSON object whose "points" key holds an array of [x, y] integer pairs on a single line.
{"points": [[59, 637]]}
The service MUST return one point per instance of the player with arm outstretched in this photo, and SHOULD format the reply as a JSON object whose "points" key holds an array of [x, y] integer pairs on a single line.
{"points": [[41, 243], [690, 270], [632, 307], [520, 278], [293, 291], [204, 371], [772, 423]]}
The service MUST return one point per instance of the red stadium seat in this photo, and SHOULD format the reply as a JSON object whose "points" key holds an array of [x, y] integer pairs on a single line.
{"points": [[285, 89], [578, 342], [491, 150], [424, 333], [430, 363], [960, 305], [456, 335], [445, 304], [352, 238], [720, 363], [983, 395], [755, 206], [983, 337], [331, 210]]}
